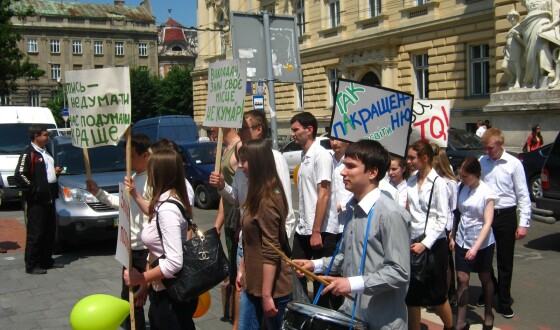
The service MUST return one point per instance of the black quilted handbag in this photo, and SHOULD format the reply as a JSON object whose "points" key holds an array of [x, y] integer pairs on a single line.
{"points": [[205, 264]]}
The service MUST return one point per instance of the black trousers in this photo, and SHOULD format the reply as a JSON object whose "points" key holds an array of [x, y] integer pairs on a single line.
{"points": [[41, 229], [302, 250], [165, 314], [139, 261], [504, 227]]}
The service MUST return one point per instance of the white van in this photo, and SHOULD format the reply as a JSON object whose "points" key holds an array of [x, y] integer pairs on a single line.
{"points": [[14, 137]]}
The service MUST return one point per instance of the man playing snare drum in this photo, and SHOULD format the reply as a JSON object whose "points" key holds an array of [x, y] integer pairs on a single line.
{"points": [[384, 281]]}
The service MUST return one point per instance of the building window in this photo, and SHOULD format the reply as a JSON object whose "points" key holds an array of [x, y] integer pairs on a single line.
{"points": [[34, 99], [76, 46], [299, 91], [55, 46], [143, 49], [334, 13], [300, 17], [480, 70], [421, 2], [332, 74], [55, 71], [98, 66], [5, 99], [374, 7], [98, 47], [119, 48], [421, 72], [76, 67], [32, 46]]}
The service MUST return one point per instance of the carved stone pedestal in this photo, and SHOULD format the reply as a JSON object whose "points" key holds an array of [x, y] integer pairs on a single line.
{"points": [[524, 99]]}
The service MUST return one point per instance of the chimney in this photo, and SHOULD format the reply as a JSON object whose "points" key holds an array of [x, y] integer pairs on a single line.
{"points": [[119, 3]]}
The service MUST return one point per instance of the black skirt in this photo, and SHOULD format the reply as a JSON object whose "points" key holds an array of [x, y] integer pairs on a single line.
{"points": [[433, 292], [482, 263]]}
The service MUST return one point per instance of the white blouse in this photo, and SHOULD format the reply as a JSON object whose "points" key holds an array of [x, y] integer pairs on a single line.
{"points": [[418, 207], [471, 205]]}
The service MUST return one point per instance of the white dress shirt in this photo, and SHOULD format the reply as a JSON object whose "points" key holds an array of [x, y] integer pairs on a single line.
{"points": [[506, 177], [418, 207], [472, 204], [49, 163]]}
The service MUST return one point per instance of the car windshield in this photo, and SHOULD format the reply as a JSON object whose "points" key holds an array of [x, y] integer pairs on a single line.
{"points": [[15, 137], [102, 159], [464, 140], [203, 153]]}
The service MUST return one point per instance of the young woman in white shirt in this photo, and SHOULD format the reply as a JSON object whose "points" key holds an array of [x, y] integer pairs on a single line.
{"points": [[473, 240], [398, 174], [432, 291], [445, 171], [166, 177]]}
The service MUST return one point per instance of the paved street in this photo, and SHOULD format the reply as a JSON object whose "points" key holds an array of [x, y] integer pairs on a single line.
{"points": [[45, 301]]}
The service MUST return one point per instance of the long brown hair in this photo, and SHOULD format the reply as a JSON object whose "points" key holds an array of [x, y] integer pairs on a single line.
{"points": [[166, 173], [441, 163], [422, 149], [262, 178]]}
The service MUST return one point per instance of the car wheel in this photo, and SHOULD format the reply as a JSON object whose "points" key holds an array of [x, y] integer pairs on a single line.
{"points": [[60, 245], [202, 197], [535, 188]]}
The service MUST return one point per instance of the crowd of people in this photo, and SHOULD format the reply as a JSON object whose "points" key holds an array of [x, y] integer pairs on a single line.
{"points": [[364, 216]]}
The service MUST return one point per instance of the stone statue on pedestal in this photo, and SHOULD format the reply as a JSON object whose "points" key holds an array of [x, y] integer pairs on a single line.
{"points": [[513, 52]]}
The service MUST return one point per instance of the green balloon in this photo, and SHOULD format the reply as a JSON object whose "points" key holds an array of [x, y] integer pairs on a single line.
{"points": [[99, 312]]}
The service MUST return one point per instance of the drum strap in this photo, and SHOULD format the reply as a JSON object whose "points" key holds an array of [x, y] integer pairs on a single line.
{"points": [[362, 264]]}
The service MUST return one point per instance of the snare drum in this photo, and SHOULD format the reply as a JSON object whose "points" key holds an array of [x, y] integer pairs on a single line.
{"points": [[300, 316]]}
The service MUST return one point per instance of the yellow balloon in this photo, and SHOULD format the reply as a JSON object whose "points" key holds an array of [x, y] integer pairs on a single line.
{"points": [[204, 302], [295, 174], [99, 312]]}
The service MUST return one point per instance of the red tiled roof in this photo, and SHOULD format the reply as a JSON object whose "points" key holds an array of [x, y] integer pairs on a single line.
{"points": [[171, 22], [173, 35]]}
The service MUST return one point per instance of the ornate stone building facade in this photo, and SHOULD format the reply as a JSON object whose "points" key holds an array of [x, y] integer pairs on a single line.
{"points": [[63, 36], [442, 49], [176, 46]]}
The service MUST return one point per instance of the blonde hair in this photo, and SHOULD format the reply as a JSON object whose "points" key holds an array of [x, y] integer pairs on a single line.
{"points": [[493, 133]]}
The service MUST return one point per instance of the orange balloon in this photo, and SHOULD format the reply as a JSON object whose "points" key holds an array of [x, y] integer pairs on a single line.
{"points": [[203, 304], [295, 174]]}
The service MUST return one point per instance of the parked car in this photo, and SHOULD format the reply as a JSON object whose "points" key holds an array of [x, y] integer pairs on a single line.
{"points": [[178, 128], [533, 162], [547, 208], [199, 160], [79, 215], [461, 144], [292, 152]]}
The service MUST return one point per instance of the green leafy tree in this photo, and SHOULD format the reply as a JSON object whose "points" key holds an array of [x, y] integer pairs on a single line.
{"points": [[13, 63], [175, 96], [56, 104], [144, 91]]}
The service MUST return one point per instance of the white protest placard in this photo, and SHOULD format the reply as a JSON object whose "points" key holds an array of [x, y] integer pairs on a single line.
{"points": [[123, 241], [430, 121], [227, 81], [372, 113], [98, 105]]}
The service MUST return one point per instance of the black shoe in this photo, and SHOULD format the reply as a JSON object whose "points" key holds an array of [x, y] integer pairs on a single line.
{"points": [[480, 302], [507, 312], [36, 271], [55, 265]]}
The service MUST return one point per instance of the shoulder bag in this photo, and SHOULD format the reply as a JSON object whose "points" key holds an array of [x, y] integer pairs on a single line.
{"points": [[205, 264], [422, 266]]}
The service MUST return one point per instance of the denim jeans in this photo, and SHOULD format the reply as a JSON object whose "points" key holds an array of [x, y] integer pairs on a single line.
{"points": [[251, 314]]}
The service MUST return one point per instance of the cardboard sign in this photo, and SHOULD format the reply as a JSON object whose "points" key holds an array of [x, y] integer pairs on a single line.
{"points": [[226, 93], [99, 105], [372, 113], [123, 239], [430, 121]]}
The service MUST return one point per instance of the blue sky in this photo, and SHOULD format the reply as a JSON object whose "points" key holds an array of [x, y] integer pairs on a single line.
{"points": [[183, 11]]}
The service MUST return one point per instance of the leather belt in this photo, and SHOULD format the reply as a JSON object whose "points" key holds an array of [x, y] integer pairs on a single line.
{"points": [[505, 210]]}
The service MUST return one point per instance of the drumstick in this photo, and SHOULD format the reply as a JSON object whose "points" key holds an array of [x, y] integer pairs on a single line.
{"points": [[300, 268]]}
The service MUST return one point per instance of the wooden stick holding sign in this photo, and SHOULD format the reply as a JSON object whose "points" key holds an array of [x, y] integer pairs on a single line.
{"points": [[219, 150], [128, 158], [300, 268], [87, 164]]}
